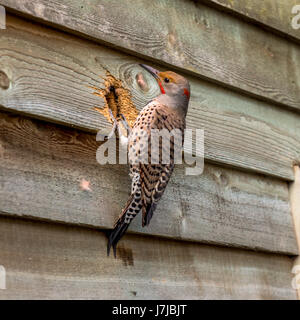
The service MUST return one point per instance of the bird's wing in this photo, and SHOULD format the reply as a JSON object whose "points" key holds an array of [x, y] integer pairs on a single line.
{"points": [[154, 177], [154, 180]]}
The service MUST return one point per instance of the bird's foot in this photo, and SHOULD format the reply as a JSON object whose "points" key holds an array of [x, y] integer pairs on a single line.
{"points": [[125, 124], [117, 126], [114, 127]]}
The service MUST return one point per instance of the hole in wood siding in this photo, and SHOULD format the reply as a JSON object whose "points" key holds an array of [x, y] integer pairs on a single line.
{"points": [[117, 98]]}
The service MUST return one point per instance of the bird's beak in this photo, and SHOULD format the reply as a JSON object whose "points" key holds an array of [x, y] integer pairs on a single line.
{"points": [[151, 70]]}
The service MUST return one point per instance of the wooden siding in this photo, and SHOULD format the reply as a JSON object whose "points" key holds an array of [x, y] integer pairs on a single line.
{"points": [[243, 65], [272, 14], [42, 166], [49, 74], [45, 261], [187, 35]]}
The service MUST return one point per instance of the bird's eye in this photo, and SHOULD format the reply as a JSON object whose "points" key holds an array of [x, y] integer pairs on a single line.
{"points": [[167, 80]]}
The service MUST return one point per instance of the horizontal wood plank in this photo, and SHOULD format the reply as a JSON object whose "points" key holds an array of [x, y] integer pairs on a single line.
{"points": [[42, 166], [45, 261], [47, 74], [276, 15], [187, 35]]}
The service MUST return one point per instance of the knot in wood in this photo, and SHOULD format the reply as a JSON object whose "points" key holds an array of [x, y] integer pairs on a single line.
{"points": [[4, 81], [142, 82]]}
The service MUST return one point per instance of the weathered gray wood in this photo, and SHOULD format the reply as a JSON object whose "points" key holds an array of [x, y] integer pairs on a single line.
{"points": [[46, 261], [42, 166], [272, 14], [186, 35], [48, 74]]}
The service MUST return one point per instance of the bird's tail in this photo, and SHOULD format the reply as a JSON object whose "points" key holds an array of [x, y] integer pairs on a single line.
{"points": [[121, 226]]}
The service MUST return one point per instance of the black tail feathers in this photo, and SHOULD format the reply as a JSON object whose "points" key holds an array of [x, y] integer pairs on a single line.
{"points": [[122, 225], [119, 230], [116, 234], [148, 214]]}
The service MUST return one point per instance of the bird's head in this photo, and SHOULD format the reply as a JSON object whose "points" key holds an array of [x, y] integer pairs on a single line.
{"points": [[174, 88]]}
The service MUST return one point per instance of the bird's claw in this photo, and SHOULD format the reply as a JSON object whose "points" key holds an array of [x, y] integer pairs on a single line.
{"points": [[114, 127], [124, 121]]}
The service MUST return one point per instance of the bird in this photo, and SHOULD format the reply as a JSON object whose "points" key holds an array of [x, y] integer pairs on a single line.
{"points": [[167, 111]]}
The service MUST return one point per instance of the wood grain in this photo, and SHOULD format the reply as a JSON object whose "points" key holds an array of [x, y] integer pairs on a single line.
{"points": [[45, 261], [49, 74], [276, 15], [42, 166], [186, 35]]}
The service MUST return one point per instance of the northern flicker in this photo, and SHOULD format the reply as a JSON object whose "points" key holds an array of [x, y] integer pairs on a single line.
{"points": [[166, 111]]}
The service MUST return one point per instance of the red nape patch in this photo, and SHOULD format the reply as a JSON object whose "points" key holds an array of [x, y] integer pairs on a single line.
{"points": [[162, 90], [186, 92]]}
